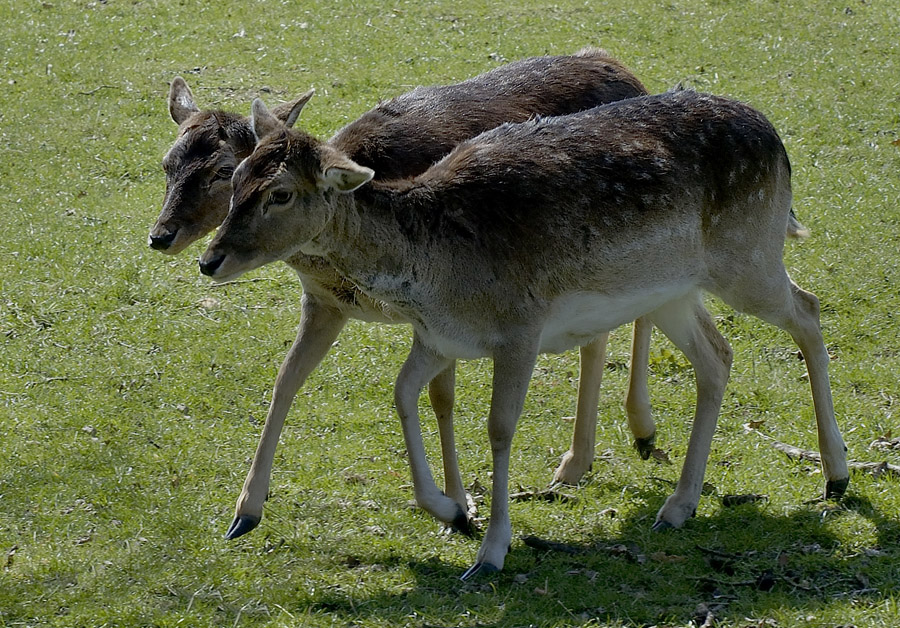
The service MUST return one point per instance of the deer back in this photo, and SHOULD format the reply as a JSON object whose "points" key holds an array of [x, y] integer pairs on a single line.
{"points": [[657, 191], [405, 135]]}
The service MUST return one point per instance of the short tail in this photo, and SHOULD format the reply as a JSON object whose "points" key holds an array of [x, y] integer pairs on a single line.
{"points": [[592, 51], [795, 229]]}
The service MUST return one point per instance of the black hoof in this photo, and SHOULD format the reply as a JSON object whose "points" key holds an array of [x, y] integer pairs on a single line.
{"points": [[241, 525], [662, 526], [645, 446], [835, 489], [462, 524], [479, 569]]}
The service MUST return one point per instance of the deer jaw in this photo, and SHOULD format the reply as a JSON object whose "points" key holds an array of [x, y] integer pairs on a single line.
{"points": [[275, 209]]}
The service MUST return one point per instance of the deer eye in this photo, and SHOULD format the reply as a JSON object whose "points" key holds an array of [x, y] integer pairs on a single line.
{"points": [[280, 197], [223, 173]]}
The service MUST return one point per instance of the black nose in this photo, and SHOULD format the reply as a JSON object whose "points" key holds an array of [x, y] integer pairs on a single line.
{"points": [[208, 267], [162, 242]]}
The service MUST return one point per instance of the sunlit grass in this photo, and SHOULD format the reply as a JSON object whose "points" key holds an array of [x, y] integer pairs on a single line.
{"points": [[132, 391]]}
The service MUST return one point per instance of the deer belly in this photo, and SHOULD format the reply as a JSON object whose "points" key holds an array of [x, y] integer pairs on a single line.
{"points": [[576, 319]]}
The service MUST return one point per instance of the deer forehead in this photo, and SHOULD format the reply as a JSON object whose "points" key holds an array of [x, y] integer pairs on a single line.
{"points": [[259, 171], [289, 158], [196, 149], [253, 179]]}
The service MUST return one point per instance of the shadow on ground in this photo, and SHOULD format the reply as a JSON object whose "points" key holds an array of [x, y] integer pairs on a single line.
{"points": [[742, 562]]}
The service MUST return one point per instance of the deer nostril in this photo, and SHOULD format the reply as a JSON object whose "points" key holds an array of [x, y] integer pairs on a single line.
{"points": [[209, 267], [162, 242]]}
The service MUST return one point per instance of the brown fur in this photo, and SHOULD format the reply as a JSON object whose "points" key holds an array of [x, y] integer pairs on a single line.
{"points": [[544, 235], [198, 169], [399, 138], [402, 138]]}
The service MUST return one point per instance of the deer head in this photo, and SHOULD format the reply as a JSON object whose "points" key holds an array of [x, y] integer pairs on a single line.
{"points": [[283, 197], [200, 164]]}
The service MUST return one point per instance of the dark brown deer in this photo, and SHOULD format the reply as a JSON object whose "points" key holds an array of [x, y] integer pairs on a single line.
{"points": [[541, 236], [399, 138]]}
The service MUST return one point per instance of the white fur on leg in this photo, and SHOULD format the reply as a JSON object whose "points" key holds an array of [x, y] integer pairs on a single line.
{"points": [[441, 393], [421, 366], [577, 461], [687, 324], [319, 326], [513, 366], [637, 400]]}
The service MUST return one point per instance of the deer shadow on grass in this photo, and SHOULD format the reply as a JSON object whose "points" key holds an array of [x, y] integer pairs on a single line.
{"points": [[743, 561]]}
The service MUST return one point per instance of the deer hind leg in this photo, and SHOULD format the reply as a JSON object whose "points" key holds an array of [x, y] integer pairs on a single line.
{"points": [[797, 312], [421, 367], [513, 366], [319, 326], [807, 333], [637, 400], [441, 393], [577, 461], [688, 324]]}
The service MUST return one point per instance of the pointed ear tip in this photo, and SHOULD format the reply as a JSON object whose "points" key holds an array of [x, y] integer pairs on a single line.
{"points": [[364, 175], [257, 107]]}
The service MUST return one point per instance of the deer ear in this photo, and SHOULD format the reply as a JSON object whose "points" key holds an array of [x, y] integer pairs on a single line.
{"points": [[339, 172], [262, 121], [289, 112], [181, 101], [346, 176]]}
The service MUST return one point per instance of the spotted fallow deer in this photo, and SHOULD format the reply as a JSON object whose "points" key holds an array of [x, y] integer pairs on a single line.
{"points": [[538, 237], [399, 138]]}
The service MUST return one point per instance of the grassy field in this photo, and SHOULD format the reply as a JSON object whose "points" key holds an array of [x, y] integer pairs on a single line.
{"points": [[132, 390]]}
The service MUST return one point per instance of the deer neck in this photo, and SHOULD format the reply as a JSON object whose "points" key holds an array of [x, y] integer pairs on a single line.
{"points": [[371, 239]]}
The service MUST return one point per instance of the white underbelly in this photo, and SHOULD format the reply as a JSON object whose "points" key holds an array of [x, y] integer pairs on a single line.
{"points": [[460, 346], [577, 319], [574, 320]]}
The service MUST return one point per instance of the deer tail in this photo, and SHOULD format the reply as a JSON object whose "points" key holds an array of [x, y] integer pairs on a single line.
{"points": [[794, 228]]}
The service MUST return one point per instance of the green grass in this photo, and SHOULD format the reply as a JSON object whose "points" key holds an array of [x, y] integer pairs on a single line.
{"points": [[129, 408]]}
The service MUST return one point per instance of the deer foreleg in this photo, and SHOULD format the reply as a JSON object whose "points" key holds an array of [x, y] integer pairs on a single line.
{"points": [[637, 400], [319, 326], [441, 393], [577, 461], [513, 366]]}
